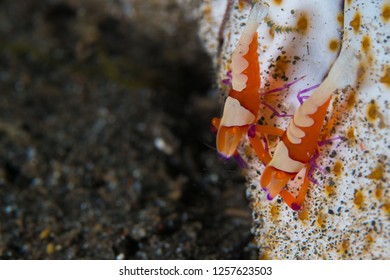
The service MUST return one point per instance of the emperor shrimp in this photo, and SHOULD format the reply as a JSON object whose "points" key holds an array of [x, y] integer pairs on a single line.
{"points": [[298, 146], [241, 109]]}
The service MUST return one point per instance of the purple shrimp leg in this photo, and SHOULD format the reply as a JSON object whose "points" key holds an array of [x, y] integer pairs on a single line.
{"points": [[313, 166], [313, 160], [228, 81], [252, 133], [299, 96], [286, 86], [275, 111], [329, 141], [302, 98], [240, 161]]}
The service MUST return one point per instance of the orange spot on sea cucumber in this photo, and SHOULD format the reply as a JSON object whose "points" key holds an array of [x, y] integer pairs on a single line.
{"points": [[278, 2], [362, 68], [264, 256], [379, 192], [303, 23], [248, 151], [274, 212], [271, 32], [303, 215], [337, 168], [386, 207], [340, 18], [372, 111], [355, 23], [207, 12], [386, 13], [351, 99], [385, 79], [320, 220], [349, 2], [329, 190], [333, 45], [281, 65], [366, 43], [344, 246], [359, 199], [351, 133], [377, 173], [369, 238], [241, 4]]}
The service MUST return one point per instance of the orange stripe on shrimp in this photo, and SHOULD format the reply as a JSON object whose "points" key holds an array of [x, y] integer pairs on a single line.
{"points": [[241, 110], [298, 147]]}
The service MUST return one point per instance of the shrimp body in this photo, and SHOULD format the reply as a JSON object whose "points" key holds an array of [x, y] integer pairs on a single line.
{"points": [[296, 148], [241, 109], [299, 143], [242, 104]]}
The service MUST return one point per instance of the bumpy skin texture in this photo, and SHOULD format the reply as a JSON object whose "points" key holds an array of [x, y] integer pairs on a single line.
{"points": [[345, 216]]}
